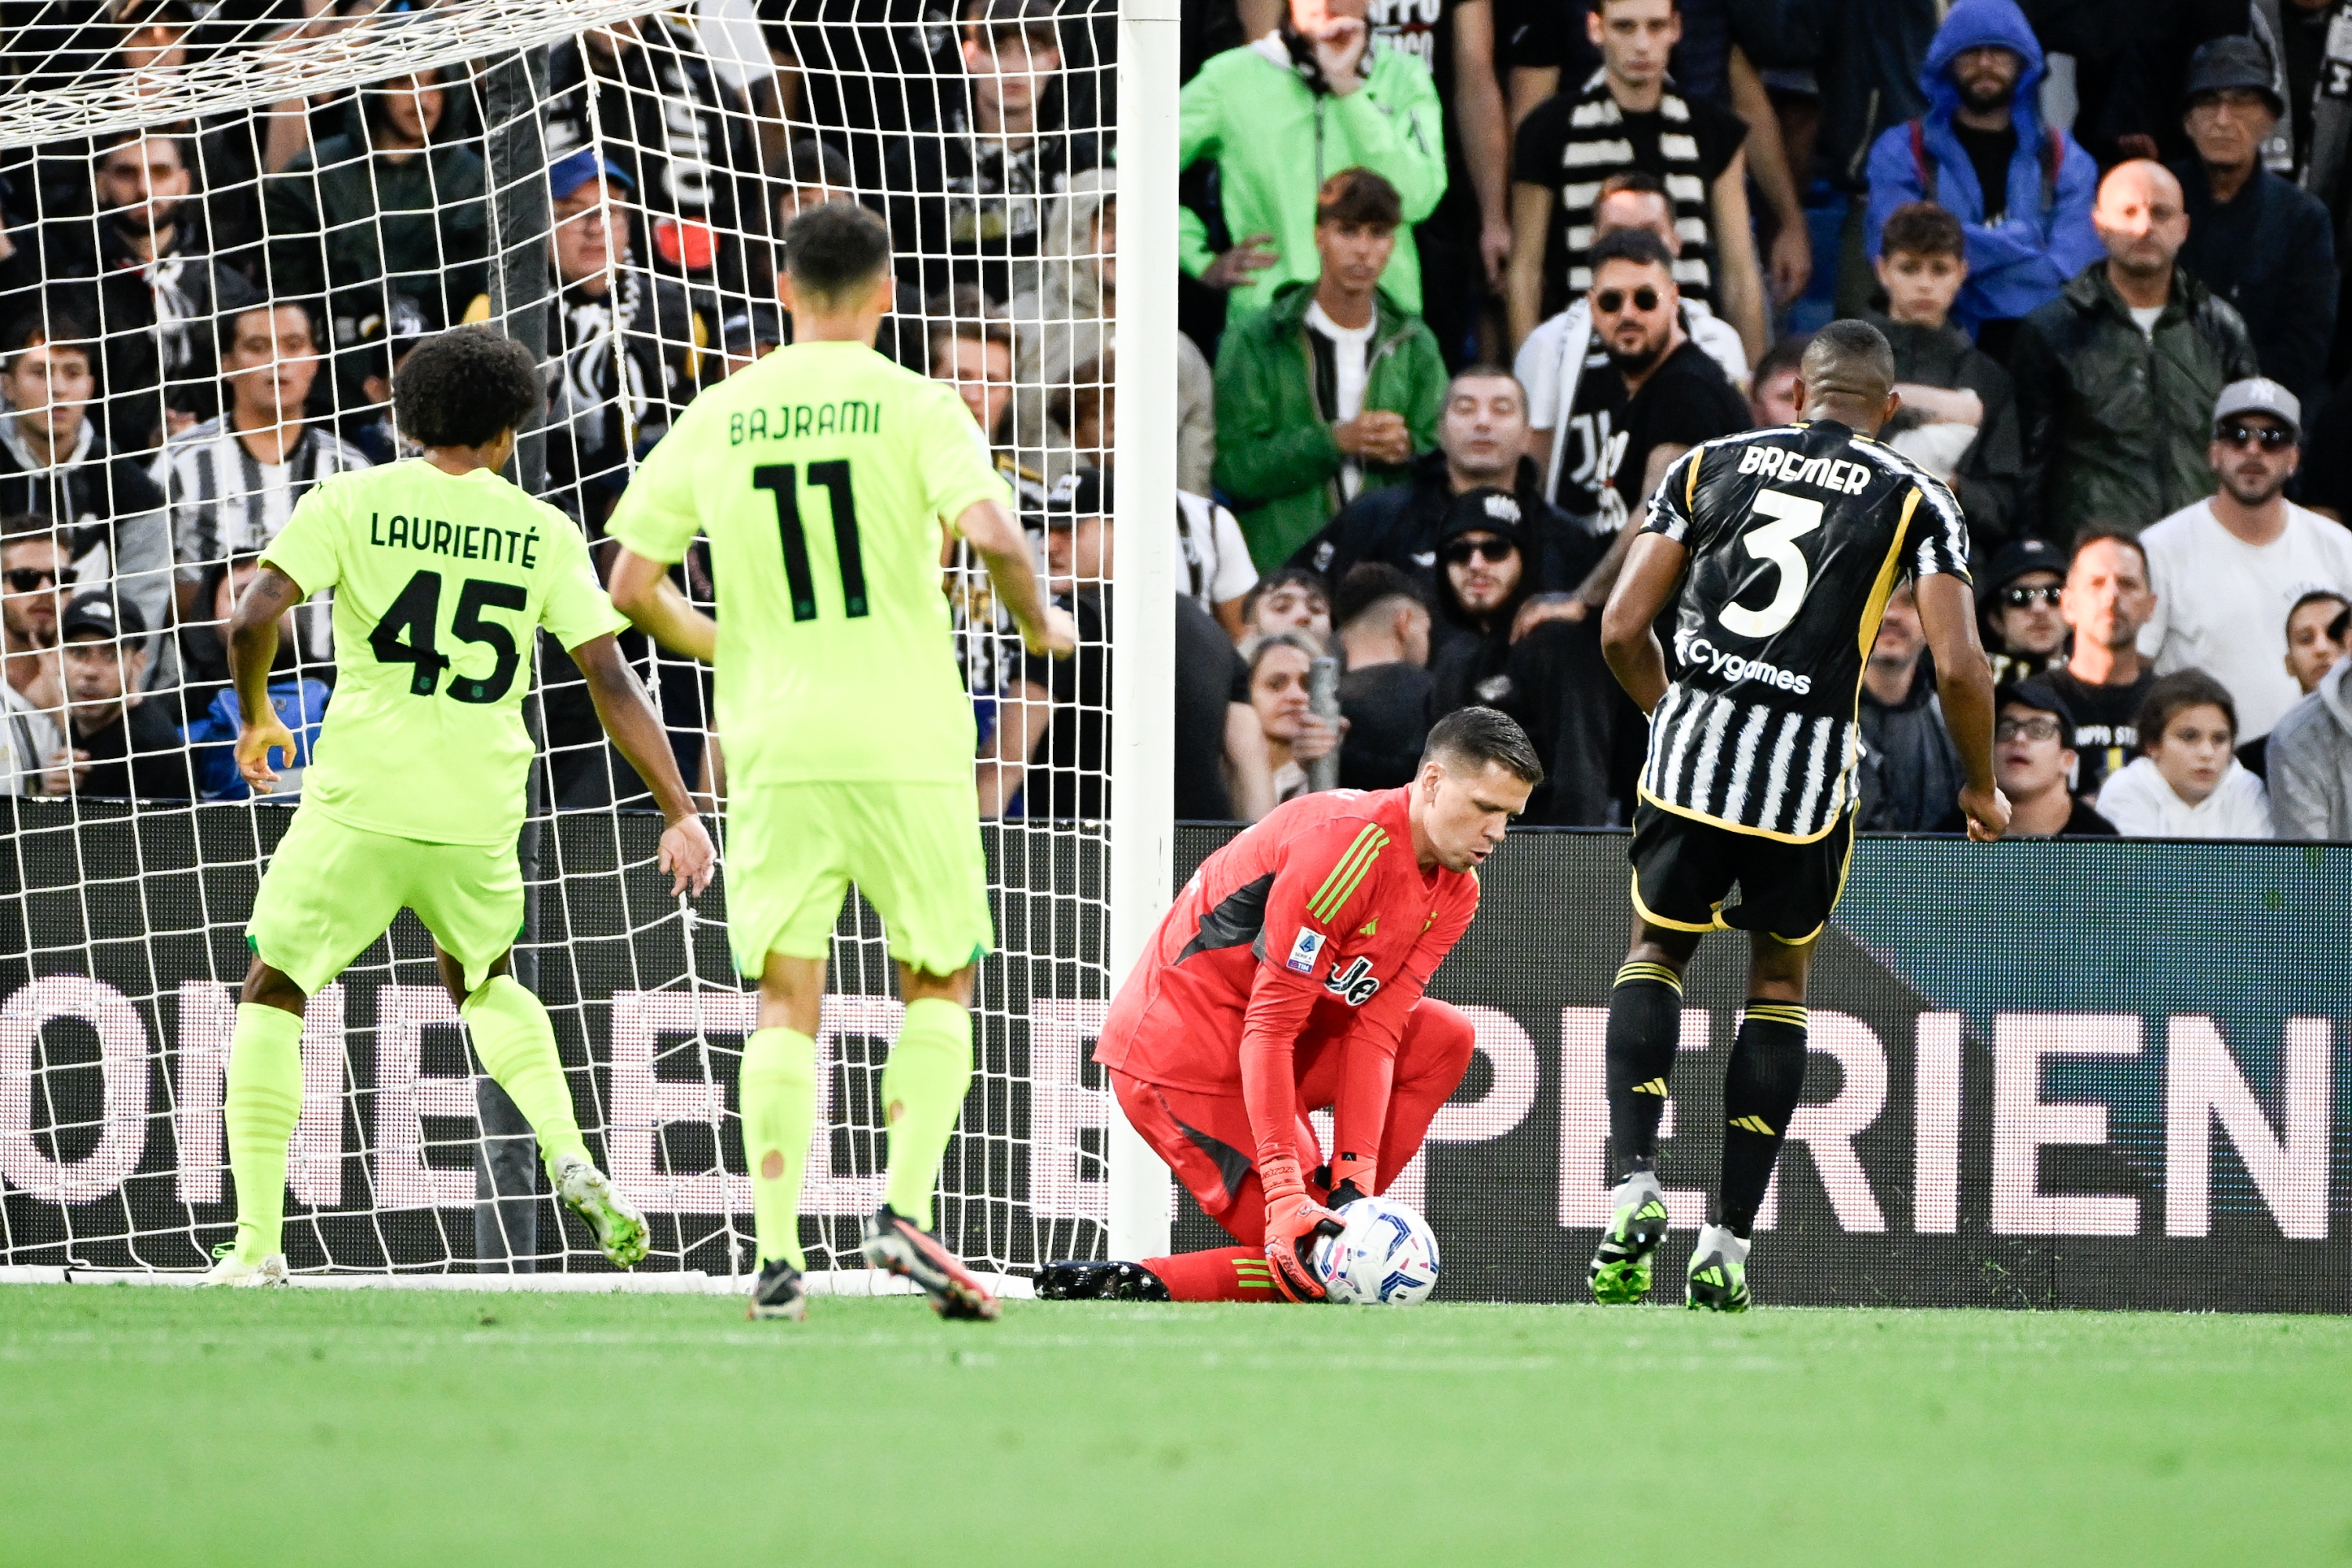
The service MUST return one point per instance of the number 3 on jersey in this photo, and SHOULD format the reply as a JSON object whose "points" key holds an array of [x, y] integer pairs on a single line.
{"points": [[1776, 544]]}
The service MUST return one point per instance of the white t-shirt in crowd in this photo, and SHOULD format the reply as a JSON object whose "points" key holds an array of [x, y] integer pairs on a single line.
{"points": [[2142, 805], [2145, 318], [1351, 362], [1214, 557], [2221, 604]]}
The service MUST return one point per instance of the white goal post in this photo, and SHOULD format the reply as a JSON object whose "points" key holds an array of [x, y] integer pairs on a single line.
{"points": [[121, 908]]}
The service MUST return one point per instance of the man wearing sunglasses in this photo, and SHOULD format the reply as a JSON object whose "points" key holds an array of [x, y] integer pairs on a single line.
{"points": [[2024, 631], [2226, 571], [34, 580]]}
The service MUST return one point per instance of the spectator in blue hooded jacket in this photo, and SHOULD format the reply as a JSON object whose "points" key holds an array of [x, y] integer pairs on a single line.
{"points": [[2022, 192]]}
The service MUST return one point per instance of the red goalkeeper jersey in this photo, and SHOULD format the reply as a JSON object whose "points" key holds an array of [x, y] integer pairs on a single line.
{"points": [[1315, 926]]}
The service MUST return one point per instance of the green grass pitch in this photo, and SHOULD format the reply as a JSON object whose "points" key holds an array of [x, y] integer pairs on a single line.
{"points": [[164, 1426]]}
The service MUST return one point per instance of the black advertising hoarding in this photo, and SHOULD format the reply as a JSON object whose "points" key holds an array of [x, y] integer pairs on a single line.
{"points": [[2093, 1074]]}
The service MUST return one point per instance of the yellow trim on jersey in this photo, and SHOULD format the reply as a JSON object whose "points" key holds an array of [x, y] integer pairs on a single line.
{"points": [[1643, 911], [1340, 885], [1684, 810], [1874, 609], [1690, 488]]}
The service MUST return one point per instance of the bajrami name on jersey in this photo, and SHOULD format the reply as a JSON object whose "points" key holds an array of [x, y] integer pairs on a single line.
{"points": [[1797, 536]]}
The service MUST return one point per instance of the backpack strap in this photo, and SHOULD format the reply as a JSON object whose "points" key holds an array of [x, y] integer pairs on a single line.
{"points": [[1921, 163]]}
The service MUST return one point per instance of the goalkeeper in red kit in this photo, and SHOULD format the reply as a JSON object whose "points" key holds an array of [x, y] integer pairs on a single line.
{"points": [[1288, 977]]}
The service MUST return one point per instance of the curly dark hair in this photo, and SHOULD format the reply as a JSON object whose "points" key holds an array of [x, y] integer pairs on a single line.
{"points": [[466, 388]]}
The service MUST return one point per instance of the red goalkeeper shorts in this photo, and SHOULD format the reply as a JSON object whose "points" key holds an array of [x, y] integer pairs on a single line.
{"points": [[1206, 1138]]}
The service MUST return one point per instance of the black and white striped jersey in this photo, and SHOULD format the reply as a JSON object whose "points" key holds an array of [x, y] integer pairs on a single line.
{"points": [[1797, 538], [226, 501]]}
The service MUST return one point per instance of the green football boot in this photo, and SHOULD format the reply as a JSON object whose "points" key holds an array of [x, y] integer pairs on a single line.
{"points": [[1718, 1273], [1620, 1264]]}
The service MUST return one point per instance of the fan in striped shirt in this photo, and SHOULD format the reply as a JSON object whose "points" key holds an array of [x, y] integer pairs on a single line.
{"points": [[231, 482], [1779, 550]]}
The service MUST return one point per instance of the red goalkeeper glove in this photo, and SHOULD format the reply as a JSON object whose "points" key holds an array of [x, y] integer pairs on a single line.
{"points": [[1293, 1221]]}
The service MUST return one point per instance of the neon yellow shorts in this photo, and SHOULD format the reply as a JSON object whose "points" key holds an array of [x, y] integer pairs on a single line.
{"points": [[331, 890], [793, 849]]}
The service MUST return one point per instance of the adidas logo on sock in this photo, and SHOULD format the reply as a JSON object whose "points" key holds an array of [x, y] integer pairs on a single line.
{"points": [[1751, 1125], [1656, 1085]]}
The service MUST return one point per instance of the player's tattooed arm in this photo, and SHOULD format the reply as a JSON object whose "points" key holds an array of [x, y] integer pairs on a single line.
{"points": [[1653, 567], [253, 632], [628, 716]]}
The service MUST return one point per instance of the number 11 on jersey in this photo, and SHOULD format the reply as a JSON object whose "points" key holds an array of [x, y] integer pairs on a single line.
{"points": [[833, 478]]}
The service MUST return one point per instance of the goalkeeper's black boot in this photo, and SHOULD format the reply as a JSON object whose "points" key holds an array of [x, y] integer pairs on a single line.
{"points": [[780, 1293], [1082, 1279], [898, 1244], [1637, 1224]]}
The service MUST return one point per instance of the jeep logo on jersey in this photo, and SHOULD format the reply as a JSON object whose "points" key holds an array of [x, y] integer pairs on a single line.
{"points": [[1354, 984]]}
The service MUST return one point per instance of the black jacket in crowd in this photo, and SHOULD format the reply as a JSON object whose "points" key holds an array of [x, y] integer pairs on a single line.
{"points": [[2270, 251], [1398, 525], [1910, 773], [1989, 477]]}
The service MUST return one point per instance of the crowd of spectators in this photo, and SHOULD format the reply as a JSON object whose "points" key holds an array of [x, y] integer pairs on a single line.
{"points": [[1460, 280]]}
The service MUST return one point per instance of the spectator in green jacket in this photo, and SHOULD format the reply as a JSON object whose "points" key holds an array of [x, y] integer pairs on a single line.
{"points": [[2116, 377], [1315, 95], [1333, 388], [385, 211]]}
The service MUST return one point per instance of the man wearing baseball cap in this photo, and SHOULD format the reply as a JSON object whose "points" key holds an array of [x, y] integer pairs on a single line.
{"points": [[2227, 570], [2018, 594], [2255, 239], [125, 745]]}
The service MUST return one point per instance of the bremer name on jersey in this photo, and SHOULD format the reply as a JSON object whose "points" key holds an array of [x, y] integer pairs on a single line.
{"points": [[1317, 923], [1797, 538]]}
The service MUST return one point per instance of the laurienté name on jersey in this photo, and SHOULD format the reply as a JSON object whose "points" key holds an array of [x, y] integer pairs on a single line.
{"points": [[791, 421], [458, 541], [1793, 468]]}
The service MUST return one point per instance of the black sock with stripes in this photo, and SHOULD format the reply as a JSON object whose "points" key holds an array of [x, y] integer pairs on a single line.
{"points": [[1645, 1024], [1768, 1073]]}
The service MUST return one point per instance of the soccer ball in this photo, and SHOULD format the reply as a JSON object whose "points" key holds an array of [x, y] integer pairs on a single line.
{"points": [[1385, 1258]]}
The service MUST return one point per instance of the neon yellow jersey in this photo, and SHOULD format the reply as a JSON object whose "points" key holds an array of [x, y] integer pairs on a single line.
{"points": [[822, 476], [439, 583]]}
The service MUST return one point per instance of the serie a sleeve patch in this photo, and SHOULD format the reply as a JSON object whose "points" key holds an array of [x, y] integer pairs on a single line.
{"points": [[1304, 950]]}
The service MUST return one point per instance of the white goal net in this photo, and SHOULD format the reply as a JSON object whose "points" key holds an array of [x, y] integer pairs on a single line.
{"points": [[226, 223]]}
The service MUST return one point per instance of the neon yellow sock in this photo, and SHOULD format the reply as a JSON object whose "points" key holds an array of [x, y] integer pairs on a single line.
{"points": [[516, 1041], [922, 1095], [778, 1096], [263, 1101]]}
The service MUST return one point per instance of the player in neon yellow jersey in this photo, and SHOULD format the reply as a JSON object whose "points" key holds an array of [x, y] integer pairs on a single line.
{"points": [[443, 573], [822, 475]]}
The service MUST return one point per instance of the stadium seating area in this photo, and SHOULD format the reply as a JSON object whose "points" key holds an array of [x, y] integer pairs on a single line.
{"points": [[1460, 279]]}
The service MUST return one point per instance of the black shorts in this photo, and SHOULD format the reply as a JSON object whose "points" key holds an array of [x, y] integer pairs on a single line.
{"points": [[1684, 870]]}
